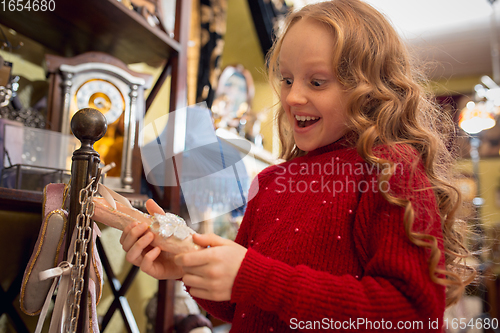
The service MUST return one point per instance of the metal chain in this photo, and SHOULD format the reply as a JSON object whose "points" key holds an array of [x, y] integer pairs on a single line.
{"points": [[84, 232]]}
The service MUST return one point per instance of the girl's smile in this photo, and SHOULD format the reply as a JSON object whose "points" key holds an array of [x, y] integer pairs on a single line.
{"points": [[303, 124]]}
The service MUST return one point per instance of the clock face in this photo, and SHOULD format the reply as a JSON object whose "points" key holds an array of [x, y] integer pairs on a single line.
{"points": [[103, 96]]}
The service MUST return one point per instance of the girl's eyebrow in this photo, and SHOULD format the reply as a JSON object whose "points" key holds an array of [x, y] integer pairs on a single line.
{"points": [[320, 71]]}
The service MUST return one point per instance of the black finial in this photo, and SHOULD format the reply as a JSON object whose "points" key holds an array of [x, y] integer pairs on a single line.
{"points": [[89, 124]]}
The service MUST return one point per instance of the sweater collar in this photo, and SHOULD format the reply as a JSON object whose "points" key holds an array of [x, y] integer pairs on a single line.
{"points": [[341, 143]]}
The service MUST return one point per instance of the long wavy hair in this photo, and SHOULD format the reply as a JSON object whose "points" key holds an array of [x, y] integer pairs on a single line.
{"points": [[388, 105]]}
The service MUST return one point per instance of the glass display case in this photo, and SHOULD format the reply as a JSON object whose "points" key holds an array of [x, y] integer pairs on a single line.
{"points": [[33, 158]]}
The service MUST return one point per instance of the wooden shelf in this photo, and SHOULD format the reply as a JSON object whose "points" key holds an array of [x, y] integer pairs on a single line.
{"points": [[20, 200], [79, 26]]}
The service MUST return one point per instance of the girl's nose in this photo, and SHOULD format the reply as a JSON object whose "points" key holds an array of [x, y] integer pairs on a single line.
{"points": [[296, 95]]}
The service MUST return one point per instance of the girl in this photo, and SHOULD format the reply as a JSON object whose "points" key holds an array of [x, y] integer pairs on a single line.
{"points": [[357, 229]]}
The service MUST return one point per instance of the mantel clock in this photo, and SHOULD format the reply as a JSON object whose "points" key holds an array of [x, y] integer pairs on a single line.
{"points": [[102, 82]]}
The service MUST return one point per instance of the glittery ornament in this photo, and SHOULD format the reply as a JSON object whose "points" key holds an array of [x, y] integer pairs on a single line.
{"points": [[170, 225]]}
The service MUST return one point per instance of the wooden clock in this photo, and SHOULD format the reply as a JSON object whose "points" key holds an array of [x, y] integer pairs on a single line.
{"points": [[105, 83]]}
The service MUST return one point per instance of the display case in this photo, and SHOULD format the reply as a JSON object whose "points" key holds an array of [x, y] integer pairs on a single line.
{"points": [[33, 158]]}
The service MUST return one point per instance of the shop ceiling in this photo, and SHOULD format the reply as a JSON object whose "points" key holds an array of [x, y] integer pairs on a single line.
{"points": [[452, 34]]}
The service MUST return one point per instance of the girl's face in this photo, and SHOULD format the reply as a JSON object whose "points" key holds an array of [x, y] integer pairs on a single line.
{"points": [[313, 99]]}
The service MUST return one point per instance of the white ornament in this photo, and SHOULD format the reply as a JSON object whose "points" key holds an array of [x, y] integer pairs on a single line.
{"points": [[170, 225]]}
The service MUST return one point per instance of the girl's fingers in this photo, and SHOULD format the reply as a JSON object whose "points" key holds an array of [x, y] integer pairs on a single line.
{"points": [[126, 231], [194, 259], [135, 253], [200, 293], [153, 207], [208, 295], [147, 264], [206, 240], [129, 238], [194, 281]]}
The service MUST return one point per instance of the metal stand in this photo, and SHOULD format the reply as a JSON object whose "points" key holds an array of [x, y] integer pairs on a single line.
{"points": [[88, 125]]}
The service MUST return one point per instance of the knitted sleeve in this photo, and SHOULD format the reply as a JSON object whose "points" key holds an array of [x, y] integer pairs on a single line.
{"points": [[395, 286]]}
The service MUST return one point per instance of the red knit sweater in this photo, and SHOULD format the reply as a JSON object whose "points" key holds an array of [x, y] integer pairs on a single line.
{"points": [[327, 252]]}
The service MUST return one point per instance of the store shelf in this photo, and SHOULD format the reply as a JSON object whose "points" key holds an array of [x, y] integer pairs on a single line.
{"points": [[79, 26], [76, 27], [20, 200]]}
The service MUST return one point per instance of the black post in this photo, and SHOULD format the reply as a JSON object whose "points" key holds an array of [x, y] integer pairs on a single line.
{"points": [[88, 125]]}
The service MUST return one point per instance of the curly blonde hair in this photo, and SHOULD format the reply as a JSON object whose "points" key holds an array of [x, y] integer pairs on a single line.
{"points": [[387, 105]]}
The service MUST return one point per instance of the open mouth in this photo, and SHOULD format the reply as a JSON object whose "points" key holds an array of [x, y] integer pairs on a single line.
{"points": [[305, 121]]}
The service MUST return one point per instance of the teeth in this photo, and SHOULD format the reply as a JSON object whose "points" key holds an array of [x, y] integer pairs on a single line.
{"points": [[304, 118]]}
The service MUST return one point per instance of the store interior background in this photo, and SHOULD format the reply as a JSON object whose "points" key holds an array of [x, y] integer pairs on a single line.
{"points": [[454, 35]]}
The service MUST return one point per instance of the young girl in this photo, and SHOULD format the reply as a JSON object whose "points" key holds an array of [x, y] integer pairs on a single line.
{"points": [[357, 229]]}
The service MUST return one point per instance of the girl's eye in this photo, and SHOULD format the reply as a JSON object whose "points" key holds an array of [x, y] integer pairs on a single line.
{"points": [[317, 83], [287, 81]]}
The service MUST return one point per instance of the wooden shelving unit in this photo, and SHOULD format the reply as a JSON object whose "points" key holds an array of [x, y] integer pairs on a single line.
{"points": [[79, 26]]}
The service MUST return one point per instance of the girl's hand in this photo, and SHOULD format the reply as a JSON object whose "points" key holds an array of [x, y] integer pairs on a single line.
{"points": [[136, 239], [211, 272]]}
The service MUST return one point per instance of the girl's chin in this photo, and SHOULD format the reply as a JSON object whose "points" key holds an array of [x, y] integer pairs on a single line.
{"points": [[307, 147]]}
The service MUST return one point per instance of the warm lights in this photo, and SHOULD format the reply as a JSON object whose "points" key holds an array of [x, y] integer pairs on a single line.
{"points": [[476, 117]]}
